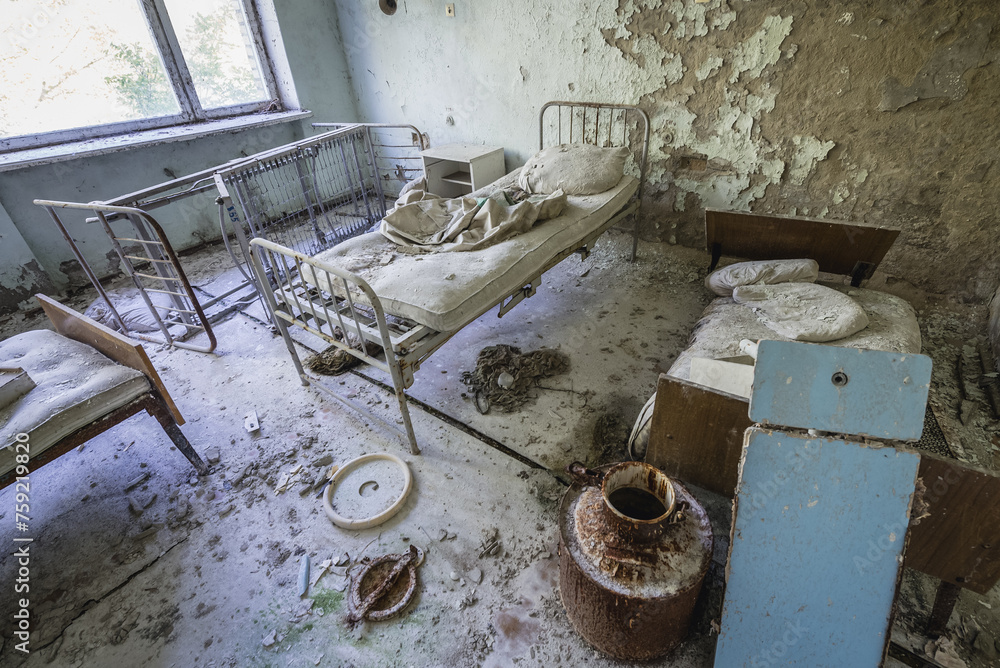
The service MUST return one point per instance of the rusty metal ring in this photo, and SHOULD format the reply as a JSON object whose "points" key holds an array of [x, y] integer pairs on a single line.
{"points": [[378, 615]]}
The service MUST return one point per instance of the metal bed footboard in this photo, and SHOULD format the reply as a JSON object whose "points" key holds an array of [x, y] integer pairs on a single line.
{"points": [[149, 247], [293, 302]]}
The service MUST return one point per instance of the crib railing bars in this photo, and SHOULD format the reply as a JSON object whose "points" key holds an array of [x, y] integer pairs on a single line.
{"points": [[395, 152], [307, 196]]}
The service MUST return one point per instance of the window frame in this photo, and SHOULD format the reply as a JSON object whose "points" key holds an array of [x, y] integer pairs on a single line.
{"points": [[168, 48]]}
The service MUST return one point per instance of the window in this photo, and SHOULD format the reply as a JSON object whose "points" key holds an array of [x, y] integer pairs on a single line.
{"points": [[77, 69]]}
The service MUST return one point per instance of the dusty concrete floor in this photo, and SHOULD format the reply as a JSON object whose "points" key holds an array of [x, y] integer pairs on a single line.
{"points": [[206, 574]]}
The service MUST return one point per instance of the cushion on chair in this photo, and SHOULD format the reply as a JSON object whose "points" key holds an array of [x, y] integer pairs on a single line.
{"points": [[74, 385]]}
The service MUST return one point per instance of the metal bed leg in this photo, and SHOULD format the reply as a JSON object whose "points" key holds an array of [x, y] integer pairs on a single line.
{"points": [[272, 305], [404, 410], [170, 426]]}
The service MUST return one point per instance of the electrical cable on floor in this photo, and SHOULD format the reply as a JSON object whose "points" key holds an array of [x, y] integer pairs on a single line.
{"points": [[454, 422]]}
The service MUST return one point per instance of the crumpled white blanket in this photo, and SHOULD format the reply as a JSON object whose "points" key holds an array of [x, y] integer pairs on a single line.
{"points": [[424, 222]]}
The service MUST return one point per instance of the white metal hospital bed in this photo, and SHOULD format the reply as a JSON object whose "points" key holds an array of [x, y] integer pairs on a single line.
{"points": [[352, 287]]}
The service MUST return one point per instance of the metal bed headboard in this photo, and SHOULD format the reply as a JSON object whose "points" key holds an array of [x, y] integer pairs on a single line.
{"points": [[604, 125]]}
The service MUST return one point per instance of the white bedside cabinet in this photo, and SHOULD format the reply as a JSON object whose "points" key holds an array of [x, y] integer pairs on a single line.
{"points": [[454, 170]]}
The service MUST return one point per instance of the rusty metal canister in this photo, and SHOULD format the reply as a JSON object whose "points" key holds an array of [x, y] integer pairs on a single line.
{"points": [[634, 550]]}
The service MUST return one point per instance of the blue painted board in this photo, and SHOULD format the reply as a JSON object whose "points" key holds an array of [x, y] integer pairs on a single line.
{"points": [[814, 561], [843, 390]]}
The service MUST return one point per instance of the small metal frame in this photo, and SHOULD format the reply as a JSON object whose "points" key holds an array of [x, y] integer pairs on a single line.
{"points": [[149, 247], [356, 310], [397, 150], [606, 124], [307, 196]]}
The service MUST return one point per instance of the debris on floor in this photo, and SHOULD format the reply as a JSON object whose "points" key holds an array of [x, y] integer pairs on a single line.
{"points": [[380, 590], [504, 376], [334, 361]]}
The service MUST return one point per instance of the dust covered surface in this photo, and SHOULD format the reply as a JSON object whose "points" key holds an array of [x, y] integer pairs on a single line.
{"points": [[504, 376]]}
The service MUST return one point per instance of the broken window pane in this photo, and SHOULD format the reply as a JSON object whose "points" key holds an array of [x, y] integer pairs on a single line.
{"points": [[218, 50], [73, 63]]}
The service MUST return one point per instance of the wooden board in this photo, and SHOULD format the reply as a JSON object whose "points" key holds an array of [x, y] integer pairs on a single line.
{"points": [[80, 328], [837, 247], [819, 526], [960, 541], [697, 434]]}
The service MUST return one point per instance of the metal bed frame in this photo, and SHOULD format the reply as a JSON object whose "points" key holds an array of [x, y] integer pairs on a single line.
{"points": [[314, 193], [147, 246], [406, 345]]}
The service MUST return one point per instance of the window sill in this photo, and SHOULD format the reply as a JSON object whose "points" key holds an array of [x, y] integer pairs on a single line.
{"points": [[33, 157]]}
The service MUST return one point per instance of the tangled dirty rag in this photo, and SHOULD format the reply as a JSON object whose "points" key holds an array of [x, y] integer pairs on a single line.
{"points": [[334, 361], [504, 376]]}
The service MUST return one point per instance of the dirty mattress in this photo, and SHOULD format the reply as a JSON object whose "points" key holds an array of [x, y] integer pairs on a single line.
{"points": [[445, 291], [892, 326], [74, 385]]}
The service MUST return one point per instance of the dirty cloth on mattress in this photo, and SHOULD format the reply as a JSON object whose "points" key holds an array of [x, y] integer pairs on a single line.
{"points": [[74, 385], [429, 223], [892, 326], [444, 291]]}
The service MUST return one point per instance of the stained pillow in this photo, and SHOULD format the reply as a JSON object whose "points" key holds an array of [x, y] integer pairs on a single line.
{"points": [[804, 311], [766, 272], [133, 311], [576, 169]]}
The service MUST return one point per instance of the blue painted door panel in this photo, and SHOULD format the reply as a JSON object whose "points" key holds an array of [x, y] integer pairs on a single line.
{"points": [[815, 557], [844, 390]]}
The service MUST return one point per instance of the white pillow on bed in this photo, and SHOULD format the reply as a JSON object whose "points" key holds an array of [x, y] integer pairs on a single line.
{"points": [[576, 169], [767, 272], [804, 311]]}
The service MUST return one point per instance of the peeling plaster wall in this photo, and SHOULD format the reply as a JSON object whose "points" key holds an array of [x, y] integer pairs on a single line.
{"points": [[20, 271], [33, 255], [879, 112]]}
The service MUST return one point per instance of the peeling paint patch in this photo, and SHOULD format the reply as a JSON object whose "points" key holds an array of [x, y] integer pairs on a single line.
{"points": [[762, 49], [809, 151], [29, 279], [709, 68]]}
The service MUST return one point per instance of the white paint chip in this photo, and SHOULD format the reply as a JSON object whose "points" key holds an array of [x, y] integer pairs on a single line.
{"points": [[809, 151]]}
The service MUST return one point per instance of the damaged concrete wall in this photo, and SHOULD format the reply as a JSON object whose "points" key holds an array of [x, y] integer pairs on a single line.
{"points": [[994, 327], [42, 261], [878, 112], [20, 274]]}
